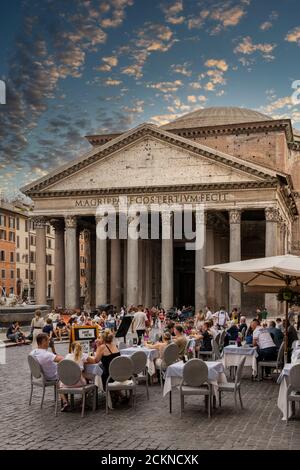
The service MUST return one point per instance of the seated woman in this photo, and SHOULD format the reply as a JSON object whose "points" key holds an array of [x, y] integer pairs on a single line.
{"points": [[160, 347], [106, 351], [81, 359]]}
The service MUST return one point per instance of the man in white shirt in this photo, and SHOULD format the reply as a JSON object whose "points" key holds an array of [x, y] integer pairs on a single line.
{"points": [[221, 317], [266, 347], [47, 360], [139, 323]]}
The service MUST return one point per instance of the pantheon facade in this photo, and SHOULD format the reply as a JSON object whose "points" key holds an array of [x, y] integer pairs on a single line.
{"points": [[241, 165]]}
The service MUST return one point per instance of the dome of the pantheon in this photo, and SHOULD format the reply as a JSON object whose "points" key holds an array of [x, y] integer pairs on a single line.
{"points": [[216, 116]]}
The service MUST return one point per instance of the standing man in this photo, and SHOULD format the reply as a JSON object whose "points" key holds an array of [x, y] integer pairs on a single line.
{"points": [[221, 318], [139, 323]]}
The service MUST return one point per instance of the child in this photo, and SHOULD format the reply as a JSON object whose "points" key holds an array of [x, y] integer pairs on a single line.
{"points": [[81, 359], [48, 328]]}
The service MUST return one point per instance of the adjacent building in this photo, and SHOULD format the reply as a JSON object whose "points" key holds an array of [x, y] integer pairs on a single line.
{"points": [[18, 252]]}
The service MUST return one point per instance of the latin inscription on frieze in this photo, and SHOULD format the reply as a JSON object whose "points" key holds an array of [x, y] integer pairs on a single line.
{"points": [[208, 197]]}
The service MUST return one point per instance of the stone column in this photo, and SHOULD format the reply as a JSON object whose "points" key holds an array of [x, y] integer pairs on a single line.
{"points": [[115, 272], [88, 270], [167, 260], [101, 266], [78, 289], [148, 273], [140, 270], [210, 260], [71, 263], [93, 268], [272, 219], [41, 273], [200, 262], [234, 255], [132, 265], [125, 272], [59, 262]]}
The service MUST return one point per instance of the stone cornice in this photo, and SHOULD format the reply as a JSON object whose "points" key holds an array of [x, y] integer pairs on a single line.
{"points": [[294, 146], [270, 183], [101, 139], [133, 136], [243, 128]]}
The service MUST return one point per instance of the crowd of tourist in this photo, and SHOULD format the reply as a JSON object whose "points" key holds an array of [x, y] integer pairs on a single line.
{"points": [[202, 328]]}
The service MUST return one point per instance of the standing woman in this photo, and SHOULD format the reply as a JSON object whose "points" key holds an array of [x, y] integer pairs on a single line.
{"points": [[37, 325]]}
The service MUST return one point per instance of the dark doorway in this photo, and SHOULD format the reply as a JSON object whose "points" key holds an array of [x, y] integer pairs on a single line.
{"points": [[184, 276]]}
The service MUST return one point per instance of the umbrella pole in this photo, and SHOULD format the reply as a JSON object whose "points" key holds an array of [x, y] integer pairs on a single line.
{"points": [[286, 344]]}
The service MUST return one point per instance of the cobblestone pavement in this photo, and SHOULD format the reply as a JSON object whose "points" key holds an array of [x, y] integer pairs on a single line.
{"points": [[258, 426]]}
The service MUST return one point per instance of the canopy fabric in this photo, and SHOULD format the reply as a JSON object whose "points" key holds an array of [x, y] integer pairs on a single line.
{"points": [[275, 271]]}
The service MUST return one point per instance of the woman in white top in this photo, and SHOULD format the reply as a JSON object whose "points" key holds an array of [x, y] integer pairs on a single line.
{"points": [[81, 359], [37, 325], [199, 320]]}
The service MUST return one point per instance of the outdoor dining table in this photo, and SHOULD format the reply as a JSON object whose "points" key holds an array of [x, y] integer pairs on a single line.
{"points": [[282, 395], [283, 380], [233, 354], [151, 354], [174, 374]]}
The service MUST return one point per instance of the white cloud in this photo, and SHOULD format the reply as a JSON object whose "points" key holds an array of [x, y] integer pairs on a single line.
{"points": [[173, 12], [222, 15], [112, 82], [219, 64], [247, 47], [182, 69], [266, 25], [166, 87], [294, 35]]}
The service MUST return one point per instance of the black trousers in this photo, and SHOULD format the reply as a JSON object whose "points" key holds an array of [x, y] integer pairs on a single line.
{"points": [[140, 333]]}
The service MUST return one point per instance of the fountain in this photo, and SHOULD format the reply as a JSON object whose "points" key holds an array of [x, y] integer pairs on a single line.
{"points": [[14, 309]]}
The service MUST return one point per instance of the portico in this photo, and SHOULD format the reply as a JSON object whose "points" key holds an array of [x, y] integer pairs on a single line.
{"points": [[157, 169]]}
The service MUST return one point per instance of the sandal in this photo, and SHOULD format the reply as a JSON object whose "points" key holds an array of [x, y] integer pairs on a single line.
{"points": [[65, 407]]}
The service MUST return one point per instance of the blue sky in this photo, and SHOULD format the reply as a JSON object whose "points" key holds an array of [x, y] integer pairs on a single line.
{"points": [[79, 67]]}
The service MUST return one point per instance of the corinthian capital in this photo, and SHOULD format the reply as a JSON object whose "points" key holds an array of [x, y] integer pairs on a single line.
{"points": [[57, 224], [235, 216], [272, 214], [39, 221], [71, 221]]}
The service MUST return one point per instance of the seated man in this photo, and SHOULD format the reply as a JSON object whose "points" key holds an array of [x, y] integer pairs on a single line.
{"points": [[180, 340], [243, 325], [232, 333], [276, 334], [61, 328], [47, 360], [266, 347], [15, 334]]}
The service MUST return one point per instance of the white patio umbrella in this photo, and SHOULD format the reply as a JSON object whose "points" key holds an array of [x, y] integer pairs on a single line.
{"points": [[265, 275]]}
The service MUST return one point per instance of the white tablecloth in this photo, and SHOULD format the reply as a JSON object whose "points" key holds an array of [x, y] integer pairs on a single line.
{"points": [[150, 353], [233, 355], [94, 372], [216, 375], [281, 401]]}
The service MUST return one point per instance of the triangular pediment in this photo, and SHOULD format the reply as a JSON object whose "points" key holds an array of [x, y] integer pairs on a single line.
{"points": [[147, 157]]}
